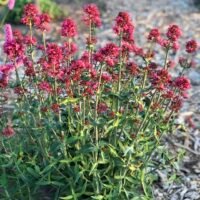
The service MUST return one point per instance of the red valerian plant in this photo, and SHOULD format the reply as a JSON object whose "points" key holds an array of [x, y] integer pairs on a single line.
{"points": [[87, 126]]}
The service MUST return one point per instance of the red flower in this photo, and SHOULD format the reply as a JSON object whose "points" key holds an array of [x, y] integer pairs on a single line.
{"points": [[30, 40], [182, 83], [191, 46], [160, 79], [132, 68], [92, 15], [14, 49], [176, 104], [30, 14], [107, 54], [54, 53], [8, 131], [174, 32], [154, 34], [68, 28], [124, 26], [45, 86], [106, 77], [43, 22], [55, 107]]}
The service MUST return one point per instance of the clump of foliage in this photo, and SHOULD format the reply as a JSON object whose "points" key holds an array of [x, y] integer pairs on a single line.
{"points": [[86, 127], [47, 6]]}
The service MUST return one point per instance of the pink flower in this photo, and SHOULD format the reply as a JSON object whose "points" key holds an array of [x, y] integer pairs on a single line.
{"points": [[11, 4], [8, 33], [68, 28], [92, 15], [191, 46], [174, 32]]}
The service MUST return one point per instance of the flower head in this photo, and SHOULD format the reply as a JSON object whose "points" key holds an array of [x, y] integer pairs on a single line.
{"points": [[174, 32], [92, 15], [11, 4], [182, 83], [42, 23], [8, 33], [191, 46], [68, 28], [30, 14], [154, 34], [124, 26]]}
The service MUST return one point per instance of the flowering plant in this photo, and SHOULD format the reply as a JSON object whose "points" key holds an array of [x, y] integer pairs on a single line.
{"points": [[86, 127]]}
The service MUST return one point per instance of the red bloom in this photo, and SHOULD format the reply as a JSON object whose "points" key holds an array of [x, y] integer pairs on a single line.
{"points": [[45, 86], [176, 104], [30, 14], [154, 34], [43, 22], [106, 77], [191, 46], [182, 83], [13, 49], [69, 49], [174, 32], [30, 40], [8, 33], [160, 79], [124, 26], [55, 107], [68, 28], [8, 131], [92, 15], [54, 53], [107, 54], [132, 68], [102, 108]]}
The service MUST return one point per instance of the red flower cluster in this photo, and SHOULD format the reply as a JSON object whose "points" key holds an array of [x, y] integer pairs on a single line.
{"points": [[30, 14], [108, 54], [92, 15], [160, 79], [68, 28], [154, 35], [14, 49], [124, 26], [174, 32], [43, 21], [45, 86], [182, 83], [191, 46]]}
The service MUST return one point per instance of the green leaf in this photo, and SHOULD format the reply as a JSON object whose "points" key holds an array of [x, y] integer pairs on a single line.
{"points": [[69, 100], [98, 197], [67, 197]]}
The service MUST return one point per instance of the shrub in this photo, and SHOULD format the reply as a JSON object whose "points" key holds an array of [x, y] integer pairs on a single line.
{"points": [[86, 127]]}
